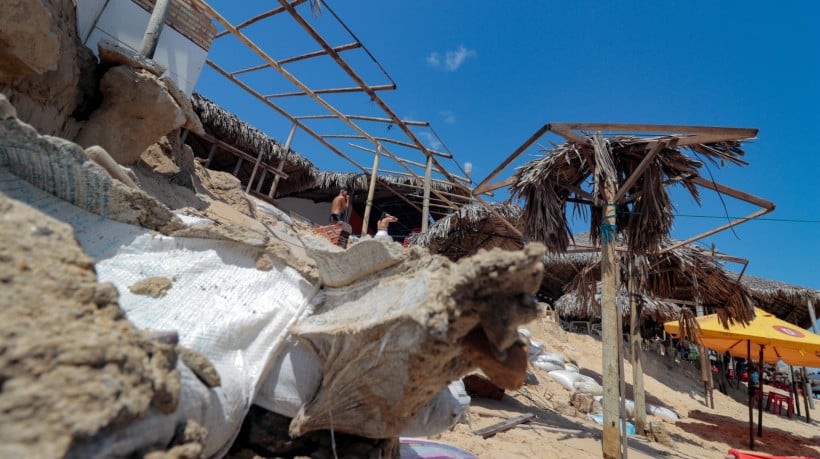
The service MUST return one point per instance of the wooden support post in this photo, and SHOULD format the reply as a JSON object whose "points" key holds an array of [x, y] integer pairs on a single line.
{"points": [[371, 190], [238, 165], [622, 384], [425, 212], [288, 142], [806, 394], [750, 394], [261, 181], [211, 154], [759, 399], [253, 172], [639, 395], [154, 29], [807, 386], [183, 135], [793, 392], [609, 326]]}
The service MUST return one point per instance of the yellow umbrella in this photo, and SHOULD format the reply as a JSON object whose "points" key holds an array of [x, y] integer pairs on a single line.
{"points": [[780, 340]]}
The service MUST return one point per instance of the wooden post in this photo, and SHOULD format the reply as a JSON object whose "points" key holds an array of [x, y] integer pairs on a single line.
{"points": [[622, 382], [807, 394], [210, 155], [237, 167], [253, 172], [262, 180], [154, 29], [793, 392], [806, 385], [425, 211], [638, 393], [705, 369], [371, 190], [750, 393], [288, 142], [759, 399], [609, 328]]}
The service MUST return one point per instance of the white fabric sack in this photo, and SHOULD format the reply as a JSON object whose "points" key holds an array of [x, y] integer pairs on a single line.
{"points": [[442, 413]]}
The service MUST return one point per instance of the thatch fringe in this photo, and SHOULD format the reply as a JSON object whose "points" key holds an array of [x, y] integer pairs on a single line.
{"points": [[572, 305], [470, 229], [689, 326], [545, 185], [786, 301], [361, 182], [228, 128], [686, 273]]}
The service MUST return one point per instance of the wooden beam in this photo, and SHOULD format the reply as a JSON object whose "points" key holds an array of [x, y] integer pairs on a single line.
{"points": [[497, 185], [338, 49], [330, 91], [500, 217], [373, 96], [568, 134], [725, 132], [363, 118], [503, 425], [386, 140], [636, 174], [481, 187], [258, 18]]}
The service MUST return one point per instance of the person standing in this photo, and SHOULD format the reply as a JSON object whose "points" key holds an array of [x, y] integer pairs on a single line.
{"points": [[384, 222], [340, 205]]}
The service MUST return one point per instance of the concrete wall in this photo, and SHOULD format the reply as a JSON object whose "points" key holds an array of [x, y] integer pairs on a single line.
{"points": [[124, 22], [317, 212]]}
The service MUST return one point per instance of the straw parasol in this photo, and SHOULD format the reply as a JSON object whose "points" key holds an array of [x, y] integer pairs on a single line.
{"points": [[469, 229], [546, 184], [228, 128]]}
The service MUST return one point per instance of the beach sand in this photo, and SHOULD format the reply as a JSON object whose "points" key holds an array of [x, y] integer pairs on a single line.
{"points": [[701, 432]]}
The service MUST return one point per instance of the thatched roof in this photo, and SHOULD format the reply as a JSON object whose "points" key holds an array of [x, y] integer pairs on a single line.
{"points": [[469, 229], [786, 301], [549, 184], [659, 311], [687, 273], [228, 128], [361, 182]]}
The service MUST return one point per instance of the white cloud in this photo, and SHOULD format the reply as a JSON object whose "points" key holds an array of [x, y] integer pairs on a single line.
{"points": [[448, 116], [430, 141], [452, 59]]}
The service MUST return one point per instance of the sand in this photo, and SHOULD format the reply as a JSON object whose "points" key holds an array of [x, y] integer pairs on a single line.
{"points": [[701, 432]]}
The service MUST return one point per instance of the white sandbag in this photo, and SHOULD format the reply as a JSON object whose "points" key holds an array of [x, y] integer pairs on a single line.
{"points": [[219, 302], [442, 413], [293, 380], [661, 412], [545, 364], [565, 378], [570, 367]]}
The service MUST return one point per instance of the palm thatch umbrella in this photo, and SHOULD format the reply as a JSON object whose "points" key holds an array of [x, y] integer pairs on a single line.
{"points": [[548, 184], [469, 229], [786, 301], [228, 128]]}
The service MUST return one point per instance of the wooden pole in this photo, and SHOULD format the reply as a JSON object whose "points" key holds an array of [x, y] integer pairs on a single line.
{"points": [[639, 415], [371, 190], [288, 142], [154, 28], [750, 393], [759, 399], [609, 328], [622, 383], [793, 392], [211, 153], [425, 212], [705, 369], [806, 386], [806, 394]]}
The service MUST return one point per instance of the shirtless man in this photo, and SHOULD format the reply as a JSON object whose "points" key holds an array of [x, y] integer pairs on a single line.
{"points": [[385, 221], [340, 205]]}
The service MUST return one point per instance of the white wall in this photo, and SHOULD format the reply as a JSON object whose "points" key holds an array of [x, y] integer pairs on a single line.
{"points": [[124, 22]]}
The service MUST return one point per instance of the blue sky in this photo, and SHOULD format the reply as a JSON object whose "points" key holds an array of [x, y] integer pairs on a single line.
{"points": [[487, 75]]}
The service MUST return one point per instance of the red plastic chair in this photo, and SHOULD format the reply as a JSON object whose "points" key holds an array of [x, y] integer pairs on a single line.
{"points": [[733, 453]]}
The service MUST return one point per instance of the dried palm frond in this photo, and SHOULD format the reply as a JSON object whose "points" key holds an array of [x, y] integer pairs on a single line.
{"points": [[549, 183], [573, 305], [688, 326], [786, 301], [356, 181]]}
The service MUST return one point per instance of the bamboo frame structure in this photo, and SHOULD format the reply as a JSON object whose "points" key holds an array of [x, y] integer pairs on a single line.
{"points": [[350, 120]]}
